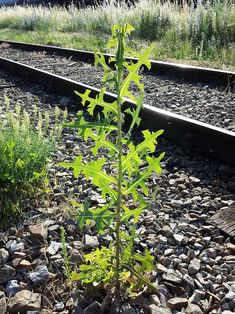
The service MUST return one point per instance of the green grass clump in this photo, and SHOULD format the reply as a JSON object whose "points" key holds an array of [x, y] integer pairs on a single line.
{"points": [[25, 144]]}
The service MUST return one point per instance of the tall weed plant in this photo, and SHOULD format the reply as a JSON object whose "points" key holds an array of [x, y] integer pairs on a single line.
{"points": [[119, 268]]}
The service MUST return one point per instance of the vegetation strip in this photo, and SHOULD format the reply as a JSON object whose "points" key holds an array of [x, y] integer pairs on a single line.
{"points": [[213, 141], [187, 72]]}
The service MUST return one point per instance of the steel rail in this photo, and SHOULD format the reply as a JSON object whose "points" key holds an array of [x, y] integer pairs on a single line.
{"points": [[186, 72], [213, 141]]}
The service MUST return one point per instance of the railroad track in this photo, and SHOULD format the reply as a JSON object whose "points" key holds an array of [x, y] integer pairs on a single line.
{"points": [[190, 253], [62, 73]]}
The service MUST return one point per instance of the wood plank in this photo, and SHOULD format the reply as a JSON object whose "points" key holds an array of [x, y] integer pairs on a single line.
{"points": [[224, 220]]}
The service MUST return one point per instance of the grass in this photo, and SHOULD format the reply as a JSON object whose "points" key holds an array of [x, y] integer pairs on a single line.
{"points": [[204, 36]]}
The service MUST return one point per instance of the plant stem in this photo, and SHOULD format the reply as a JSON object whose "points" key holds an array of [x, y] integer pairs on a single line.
{"points": [[119, 61]]}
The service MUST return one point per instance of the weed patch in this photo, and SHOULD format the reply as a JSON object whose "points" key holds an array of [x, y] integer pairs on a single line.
{"points": [[25, 144]]}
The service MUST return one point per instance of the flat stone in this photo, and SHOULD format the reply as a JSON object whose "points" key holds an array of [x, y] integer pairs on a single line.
{"points": [[177, 303], [172, 277], [193, 309], [6, 274], [91, 241], [154, 309], [3, 303], [4, 255], [38, 233], [39, 276], [24, 301], [194, 266]]}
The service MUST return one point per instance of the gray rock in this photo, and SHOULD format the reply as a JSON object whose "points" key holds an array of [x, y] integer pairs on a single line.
{"points": [[14, 246], [177, 303], [94, 308], [6, 274], [154, 309], [194, 266], [194, 180], [191, 254], [3, 303], [39, 276], [231, 304], [12, 288], [76, 257], [91, 241], [4, 255], [173, 277], [197, 296], [167, 231], [154, 299], [24, 301], [178, 238], [59, 306], [193, 309], [188, 281], [229, 296], [53, 247], [38, 233]]}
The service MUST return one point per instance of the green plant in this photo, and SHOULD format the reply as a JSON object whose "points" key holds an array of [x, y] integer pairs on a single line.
{"points": [[124, 186], [25, 146]]}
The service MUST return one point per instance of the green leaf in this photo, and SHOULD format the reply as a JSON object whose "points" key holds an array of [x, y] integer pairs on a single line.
{"points": [[93, 171], [147, 261], [153, 166], [99, 267], [133, 73], [100, 142], [101, 216], [128, 213], [135, 113], [148, 145]]}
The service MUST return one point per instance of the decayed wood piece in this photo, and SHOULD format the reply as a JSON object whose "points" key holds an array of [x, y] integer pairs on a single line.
{"points": [[224, 220]]}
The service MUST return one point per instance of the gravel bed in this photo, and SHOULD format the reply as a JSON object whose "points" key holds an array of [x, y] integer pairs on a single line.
{"points": [[203, 102], [195, 261]]}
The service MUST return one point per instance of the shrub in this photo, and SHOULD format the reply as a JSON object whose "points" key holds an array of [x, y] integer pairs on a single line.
{"points": [[25, 147]]}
